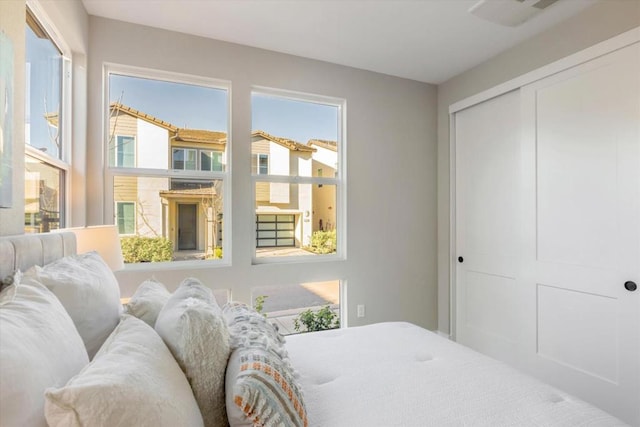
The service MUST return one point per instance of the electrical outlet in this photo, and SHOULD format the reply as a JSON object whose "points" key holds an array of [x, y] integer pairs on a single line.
{"points": [[360, 310]]}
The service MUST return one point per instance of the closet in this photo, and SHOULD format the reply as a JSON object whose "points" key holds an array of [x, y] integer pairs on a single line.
{"points": [[547, 229]]}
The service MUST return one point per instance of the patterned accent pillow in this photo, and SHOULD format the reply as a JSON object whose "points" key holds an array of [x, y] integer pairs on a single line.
{"points": [[261, 386]]}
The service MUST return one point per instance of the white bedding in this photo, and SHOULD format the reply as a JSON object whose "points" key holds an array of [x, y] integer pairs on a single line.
{"points": [[398, 374]]}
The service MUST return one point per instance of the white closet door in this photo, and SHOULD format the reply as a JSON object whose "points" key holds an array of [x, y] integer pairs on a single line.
{"points": [[488, 294], [581, 133]]}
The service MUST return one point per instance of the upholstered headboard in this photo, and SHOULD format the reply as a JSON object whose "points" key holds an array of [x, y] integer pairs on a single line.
{"points": [[24, 251]]}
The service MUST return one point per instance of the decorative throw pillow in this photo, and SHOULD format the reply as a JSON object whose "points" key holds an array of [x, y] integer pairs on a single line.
{"points": [[89, 292], [147, 301], [39, 348], [192, 326], [261, 389], [132, 381]]}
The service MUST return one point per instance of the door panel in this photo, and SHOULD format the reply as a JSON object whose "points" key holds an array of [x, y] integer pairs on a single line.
{"points": [[584, 233], [487, 203], [547, 199], [187, 220]]}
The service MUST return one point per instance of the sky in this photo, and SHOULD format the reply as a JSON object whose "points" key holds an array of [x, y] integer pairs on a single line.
{"points": [[200, 107]]}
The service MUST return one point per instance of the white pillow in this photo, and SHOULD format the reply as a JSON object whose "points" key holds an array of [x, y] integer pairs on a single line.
{"points": [[147, 301], [132, 381], [39, 348], [89, 292], [192, 326]]}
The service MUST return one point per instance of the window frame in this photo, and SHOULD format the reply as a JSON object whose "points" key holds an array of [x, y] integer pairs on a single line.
{"points": [[63, 162], [212, 152], [184, 161], [340, 179], [225, 176]]}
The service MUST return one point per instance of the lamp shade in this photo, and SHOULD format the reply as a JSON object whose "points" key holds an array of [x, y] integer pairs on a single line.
{"points": [[103, 239]]}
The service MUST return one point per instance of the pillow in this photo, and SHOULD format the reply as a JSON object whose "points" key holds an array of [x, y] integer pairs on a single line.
{"points": [[132, 381], [192, 326], [147, 301], [89, 292], [261, 388], [39, 348]]}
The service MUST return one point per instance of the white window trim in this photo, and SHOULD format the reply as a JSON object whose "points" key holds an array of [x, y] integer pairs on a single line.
{"points": [[211, 152], [63, 163], [135, 214], [340, 180], [111, 172], [184, 162]]}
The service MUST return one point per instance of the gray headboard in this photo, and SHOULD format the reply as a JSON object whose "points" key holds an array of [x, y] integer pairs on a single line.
{"points": [[26, 250]]}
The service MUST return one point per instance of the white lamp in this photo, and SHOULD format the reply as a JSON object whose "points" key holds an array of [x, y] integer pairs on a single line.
{"points": [[103, 239]]}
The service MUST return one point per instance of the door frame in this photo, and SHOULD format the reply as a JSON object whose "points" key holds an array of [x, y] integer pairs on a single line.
{"points": [[617, 42]]}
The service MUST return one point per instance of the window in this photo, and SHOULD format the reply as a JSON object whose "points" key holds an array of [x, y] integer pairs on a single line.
{"points": [[298, 187], [184, 159], [211, 160], [167, 140], [126, 217], [305, 307], [125, 152], [263, 164], [46, 110]]}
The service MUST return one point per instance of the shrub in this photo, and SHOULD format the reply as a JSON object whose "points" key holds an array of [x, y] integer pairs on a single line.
{"points": [[217, 253], [320, 320], [323, 242], [146, 249], [259, 304]]}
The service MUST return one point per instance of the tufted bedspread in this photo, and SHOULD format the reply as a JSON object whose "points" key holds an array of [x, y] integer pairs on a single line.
{"points": [[398, 374]]}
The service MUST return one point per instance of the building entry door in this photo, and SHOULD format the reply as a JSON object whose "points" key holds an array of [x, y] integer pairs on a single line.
{"points": [[187, 226]]}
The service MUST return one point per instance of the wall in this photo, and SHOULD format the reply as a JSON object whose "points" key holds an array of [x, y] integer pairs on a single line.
{"points": [[600, 22], [391, 229], [71, 21]]}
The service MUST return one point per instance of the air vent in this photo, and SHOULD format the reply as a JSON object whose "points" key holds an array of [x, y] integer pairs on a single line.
{"points": [[510, 13]]}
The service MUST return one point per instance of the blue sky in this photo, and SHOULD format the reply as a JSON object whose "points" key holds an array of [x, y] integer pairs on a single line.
{"points": [[200, 107]]}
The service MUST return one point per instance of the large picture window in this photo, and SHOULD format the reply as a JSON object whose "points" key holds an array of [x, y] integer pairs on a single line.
{"points": [[167, 141], [46, 109], [298, 175]]}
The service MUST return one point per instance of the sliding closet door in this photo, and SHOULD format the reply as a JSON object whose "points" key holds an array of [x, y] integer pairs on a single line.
{"points": [[488, 294], [582, 229]]}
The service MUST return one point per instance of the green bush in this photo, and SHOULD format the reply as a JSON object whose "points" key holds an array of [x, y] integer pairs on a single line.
{"points": [[146, 249], [320, 320], [259, 304], [217, 253], [323, 242]]}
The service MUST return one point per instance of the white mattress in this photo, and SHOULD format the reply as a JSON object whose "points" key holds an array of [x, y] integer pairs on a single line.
{"points": [[398, 374]]}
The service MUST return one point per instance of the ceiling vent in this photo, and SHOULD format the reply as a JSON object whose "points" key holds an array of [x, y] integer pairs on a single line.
{"points": [[510, 13]]}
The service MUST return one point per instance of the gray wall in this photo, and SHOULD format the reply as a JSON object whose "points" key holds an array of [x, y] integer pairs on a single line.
{"points": [[72, 22], [600, 22], [391, 168]]}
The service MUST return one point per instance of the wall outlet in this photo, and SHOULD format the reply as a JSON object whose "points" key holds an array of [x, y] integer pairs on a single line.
{"points": [[360, 310]]}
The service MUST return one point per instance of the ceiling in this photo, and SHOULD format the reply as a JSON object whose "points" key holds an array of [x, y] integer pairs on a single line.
{"points": [[425, 40]]}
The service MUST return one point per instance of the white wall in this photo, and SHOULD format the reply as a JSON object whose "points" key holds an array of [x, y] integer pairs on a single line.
{"points": [[600, 22], [152, 145], [391, 254]]}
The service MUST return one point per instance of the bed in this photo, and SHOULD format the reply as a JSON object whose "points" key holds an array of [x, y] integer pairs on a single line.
{"points": [[386, 374]]}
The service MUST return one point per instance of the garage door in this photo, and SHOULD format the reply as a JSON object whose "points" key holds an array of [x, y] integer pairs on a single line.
{"points": [[275, 230]]}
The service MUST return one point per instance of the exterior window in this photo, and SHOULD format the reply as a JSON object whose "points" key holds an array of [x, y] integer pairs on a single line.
{"points": [[155, 185], [125, 151], [263, 164], [184, 159], [298, 190], [211, 160], [46, 107], [126, 217]]}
